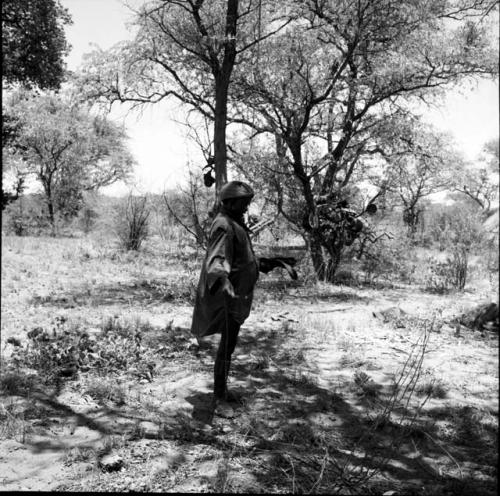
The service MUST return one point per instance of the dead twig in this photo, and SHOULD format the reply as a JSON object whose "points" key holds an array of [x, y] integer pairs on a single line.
{"points": [[330, 310], [437, 443], [324, 463]]}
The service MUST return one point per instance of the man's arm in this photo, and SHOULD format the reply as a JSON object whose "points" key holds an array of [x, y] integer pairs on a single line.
{"points": [[219, 261], [287, 263]]}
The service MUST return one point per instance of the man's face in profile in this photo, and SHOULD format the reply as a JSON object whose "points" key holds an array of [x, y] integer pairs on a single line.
{"points": [[239, 206]]}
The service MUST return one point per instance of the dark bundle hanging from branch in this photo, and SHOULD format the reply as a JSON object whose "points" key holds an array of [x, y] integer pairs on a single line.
{"points": [[208, 178]]}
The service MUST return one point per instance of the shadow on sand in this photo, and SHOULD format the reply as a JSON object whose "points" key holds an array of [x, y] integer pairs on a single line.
{"points": [[291, 433]]}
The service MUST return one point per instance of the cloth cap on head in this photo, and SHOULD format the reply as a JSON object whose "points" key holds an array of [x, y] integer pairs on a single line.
{"points": [[236, 189]]}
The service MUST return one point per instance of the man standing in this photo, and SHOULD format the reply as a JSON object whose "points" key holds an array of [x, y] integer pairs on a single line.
{"points": [[228, 276]]}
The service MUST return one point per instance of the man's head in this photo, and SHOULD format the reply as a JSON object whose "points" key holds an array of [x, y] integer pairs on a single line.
{"points": [[236, 196]]}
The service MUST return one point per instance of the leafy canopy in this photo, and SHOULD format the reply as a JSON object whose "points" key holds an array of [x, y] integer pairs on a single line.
{"points": [[64, 146], [34, 42]]}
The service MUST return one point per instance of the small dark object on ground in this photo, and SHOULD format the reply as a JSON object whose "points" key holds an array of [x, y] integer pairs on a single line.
{"points": [[111, 463], [481, 317], [14, 341]]}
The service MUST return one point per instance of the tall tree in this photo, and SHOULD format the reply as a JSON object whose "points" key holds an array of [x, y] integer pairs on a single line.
{"points": [[327, 85], [186, 49], [12, 163], [33, 47], [33, 42], [491, 154], [67, 149], [418, 162], [479, 181]]}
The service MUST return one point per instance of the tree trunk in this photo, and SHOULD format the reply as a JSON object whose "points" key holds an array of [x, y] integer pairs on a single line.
{"points": [[50, 203], [325, 256], [316, 242], [199, 232], [317, 257], [222, 79], [50, 206], [220, 122], [411, 217], [334, 257]]}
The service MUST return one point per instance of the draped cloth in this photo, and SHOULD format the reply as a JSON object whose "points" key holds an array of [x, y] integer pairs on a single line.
{"points": [[229, 254]]}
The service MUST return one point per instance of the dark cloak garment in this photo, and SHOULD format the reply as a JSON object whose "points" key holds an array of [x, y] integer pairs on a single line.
{"points": [[229, 254]]}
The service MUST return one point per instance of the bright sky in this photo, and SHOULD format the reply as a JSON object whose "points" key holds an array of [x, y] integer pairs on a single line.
{"points": [[160, 145]]}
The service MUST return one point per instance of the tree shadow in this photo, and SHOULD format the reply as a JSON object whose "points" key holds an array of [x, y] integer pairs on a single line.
{"points": [[151, 292], [286, 411], [293, 432], [203, 407], [280, 290]]}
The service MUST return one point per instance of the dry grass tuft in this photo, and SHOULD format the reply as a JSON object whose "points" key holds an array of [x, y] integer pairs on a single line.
{"points": [[104, 390], [433, 388]]}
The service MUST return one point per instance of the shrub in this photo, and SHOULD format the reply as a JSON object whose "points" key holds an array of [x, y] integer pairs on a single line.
{"points": [[365, 385], [132, 221], [432, 388], [388, 257], [346, 277], [456, 225], [439, 278], [64, 350], [27, 216], [457, 229], [16, 383], [379, 262], [190, 208], [102, 389], [443, 276], [87, 219]]}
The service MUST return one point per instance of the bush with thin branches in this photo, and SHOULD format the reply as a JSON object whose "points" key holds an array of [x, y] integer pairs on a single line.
{"points": [[132, 221]]}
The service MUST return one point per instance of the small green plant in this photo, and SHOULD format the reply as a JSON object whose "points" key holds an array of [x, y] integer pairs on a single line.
{"points": [[79, 455], [459, 231], [460, 264], [101, 389], [290, 355], [27, 216], [345, 277], [432, 388], [15, 382], [111, 443], [365, 385], [471, 425], [66, 349], [222, 478], [440, 278], [51, 353], [262, 362], [12, 426], [444, 276], [17, 224], [352, 359], [301, 378]]}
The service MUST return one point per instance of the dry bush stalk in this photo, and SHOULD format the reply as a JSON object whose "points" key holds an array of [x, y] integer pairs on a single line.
{"points": [[133, 222]]}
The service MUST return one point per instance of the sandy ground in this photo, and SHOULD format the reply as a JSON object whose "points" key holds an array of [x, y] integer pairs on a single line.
{"points": [[297, 361]]}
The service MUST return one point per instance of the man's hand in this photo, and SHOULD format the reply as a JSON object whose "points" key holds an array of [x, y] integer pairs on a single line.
{"points": [[268, 264], [227, 289], [288, 260]]}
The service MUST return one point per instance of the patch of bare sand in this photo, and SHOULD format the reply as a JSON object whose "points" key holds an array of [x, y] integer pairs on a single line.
{"points": [[38, 464], [339, 337]]}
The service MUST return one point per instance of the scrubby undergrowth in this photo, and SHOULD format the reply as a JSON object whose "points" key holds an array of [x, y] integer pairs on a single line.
{"points": [[348, 390]]}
